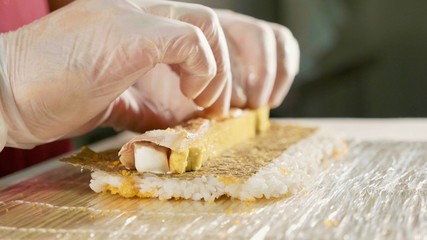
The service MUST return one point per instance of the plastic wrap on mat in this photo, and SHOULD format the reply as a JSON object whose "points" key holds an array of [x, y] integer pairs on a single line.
{"points": [[378, 191]]}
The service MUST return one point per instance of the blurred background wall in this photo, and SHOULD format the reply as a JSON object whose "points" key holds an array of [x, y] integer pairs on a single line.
{"points": [[359, 58]]}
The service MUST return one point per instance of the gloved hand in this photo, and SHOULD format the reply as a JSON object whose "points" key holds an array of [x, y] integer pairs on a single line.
{"points": [[65, 74], [156, 97], [264, 59], [175, 108]]}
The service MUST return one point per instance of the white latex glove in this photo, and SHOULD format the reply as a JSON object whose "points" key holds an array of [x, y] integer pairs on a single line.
{"points": [[70, 71], [264, 59], [155, 93]]}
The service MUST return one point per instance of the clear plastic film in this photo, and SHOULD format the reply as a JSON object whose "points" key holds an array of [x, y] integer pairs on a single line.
{"points": [[3, 127], [378, 191], [11, 135]]}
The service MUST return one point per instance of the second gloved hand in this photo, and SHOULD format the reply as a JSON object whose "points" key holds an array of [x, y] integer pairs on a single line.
{"points": [[65, 74], [264, 59]]}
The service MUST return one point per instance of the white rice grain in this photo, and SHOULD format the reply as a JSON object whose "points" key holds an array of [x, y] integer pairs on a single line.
{"points": [[287, 174]]}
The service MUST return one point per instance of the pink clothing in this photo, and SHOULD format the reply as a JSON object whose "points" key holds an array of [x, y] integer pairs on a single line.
{"points": [[16, 13]]}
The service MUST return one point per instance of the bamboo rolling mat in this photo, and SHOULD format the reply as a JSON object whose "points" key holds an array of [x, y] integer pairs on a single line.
{"points": [[379, 191]]}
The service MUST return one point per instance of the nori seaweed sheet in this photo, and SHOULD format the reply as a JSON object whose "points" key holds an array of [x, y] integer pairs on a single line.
{"points": [[239, 161]]}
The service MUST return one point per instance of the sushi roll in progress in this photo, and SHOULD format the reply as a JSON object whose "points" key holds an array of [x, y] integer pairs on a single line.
{"points": [[276, 161]]}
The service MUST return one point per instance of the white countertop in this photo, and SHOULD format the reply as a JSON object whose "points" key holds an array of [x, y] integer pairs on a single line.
{"points": [[399, 129]]}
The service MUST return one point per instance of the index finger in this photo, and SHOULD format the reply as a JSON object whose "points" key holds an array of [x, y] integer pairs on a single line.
{"points": [[207, 21]]}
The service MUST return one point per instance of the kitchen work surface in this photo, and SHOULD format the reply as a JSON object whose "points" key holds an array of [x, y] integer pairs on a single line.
{"points": [[377, 191]]}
